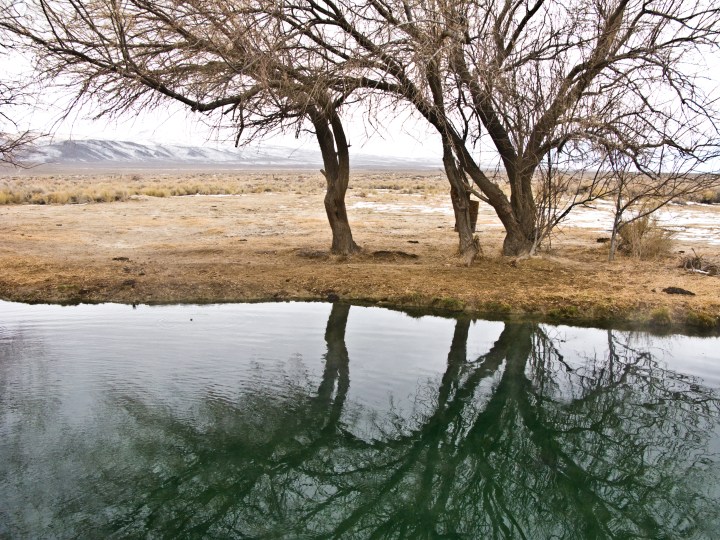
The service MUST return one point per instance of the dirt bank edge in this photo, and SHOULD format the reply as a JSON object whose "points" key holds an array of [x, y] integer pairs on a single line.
{"points": [[406, 286]]}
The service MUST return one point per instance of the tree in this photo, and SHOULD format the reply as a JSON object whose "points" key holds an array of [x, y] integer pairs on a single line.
{"points": [[538, 81], [640, 188], [238, 61], [10, 142], [533, 78], [354, 39]]}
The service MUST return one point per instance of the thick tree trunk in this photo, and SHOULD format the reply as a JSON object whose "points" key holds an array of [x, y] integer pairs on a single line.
{"points": [[517, 243], [517, 240], [469, 245], [342, 239], [329, 133], [523, 205], [519, 231]]}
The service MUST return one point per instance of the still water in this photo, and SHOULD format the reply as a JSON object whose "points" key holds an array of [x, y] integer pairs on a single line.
{"points": [[322, 421]]}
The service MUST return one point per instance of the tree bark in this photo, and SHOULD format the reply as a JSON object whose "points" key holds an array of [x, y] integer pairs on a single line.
{"points": [[342, 239], [518, 241], [336, 158], [469, 246], [523, 204]]}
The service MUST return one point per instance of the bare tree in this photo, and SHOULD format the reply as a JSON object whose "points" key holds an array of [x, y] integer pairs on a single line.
{"points": [[539, 81], [533, 78], [238, 61], [640, 187], [358, 39]]}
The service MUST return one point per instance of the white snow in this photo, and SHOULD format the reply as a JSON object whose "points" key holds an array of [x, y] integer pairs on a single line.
{"points": [[402, 208], [691, 222]]}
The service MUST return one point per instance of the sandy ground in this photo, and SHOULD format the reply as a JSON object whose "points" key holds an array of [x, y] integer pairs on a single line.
{"points": [[272, 244]]}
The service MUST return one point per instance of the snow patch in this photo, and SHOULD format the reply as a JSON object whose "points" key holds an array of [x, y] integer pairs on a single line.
{"points": [[690, 223]]}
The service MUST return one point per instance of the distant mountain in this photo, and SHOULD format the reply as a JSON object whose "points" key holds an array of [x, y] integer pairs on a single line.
{"points": [[94, 153]]}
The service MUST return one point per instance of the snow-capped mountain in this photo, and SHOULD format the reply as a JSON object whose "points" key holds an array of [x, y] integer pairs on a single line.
{"points": [[105, 153]]}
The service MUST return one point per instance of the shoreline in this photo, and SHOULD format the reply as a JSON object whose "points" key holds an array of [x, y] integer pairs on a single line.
{"points": [[656, 312], [269, 243], [694, 324]]}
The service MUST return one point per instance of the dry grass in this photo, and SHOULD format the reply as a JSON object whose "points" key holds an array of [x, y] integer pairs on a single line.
{"points": [[94, 188], [98, 188], [250, 247], [709, 196], [645, 239]]}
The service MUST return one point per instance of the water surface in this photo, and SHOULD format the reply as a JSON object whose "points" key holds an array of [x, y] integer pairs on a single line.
{"points": [[321, 421]]}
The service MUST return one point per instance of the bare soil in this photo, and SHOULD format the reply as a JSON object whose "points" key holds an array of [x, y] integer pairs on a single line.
{"points": [[271, 242]]}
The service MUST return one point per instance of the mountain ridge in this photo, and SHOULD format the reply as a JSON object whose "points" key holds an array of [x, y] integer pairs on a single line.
{"points": [[91, 153]]}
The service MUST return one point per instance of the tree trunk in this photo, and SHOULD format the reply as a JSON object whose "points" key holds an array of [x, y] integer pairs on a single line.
{"points": [[521, 241], [337, 175], [342, 239], [469, 246], [617, 220], [614, 235], [516, 243]]}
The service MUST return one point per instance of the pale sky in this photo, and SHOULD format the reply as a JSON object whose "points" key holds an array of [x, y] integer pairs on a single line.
{"points": [[175, 124], [401, 136]]}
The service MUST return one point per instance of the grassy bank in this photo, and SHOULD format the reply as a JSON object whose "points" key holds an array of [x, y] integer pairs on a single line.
{"points": [[268, 244]]}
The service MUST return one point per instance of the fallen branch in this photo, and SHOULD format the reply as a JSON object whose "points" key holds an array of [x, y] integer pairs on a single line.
{"points": [[700, 265]]}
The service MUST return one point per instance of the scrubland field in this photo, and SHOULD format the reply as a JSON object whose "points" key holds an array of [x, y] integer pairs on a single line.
{"points": [[196, 236]]}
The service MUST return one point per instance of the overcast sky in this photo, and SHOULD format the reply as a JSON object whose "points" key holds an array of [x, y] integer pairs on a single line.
{"points": [[400, 136], [175, 124]]}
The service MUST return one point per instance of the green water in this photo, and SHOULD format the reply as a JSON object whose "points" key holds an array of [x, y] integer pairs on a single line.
{"points": [[330, 421]]}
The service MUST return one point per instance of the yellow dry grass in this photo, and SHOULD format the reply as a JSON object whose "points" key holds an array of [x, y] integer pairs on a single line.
{"points": [[269, 241]]}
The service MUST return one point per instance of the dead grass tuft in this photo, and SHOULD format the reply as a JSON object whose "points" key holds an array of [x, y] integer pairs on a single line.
{"points": [[645, 239], [709, 196]]}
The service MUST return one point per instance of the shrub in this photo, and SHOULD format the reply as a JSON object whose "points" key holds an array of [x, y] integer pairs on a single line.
{"points": [[38, 198], [448, 303], [710, 196], [697, 262], [497, 308], [643, 238], [59, 197], [702, 321]]}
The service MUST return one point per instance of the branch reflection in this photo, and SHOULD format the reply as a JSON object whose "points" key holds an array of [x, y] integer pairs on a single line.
{"points": [[517, 443]]}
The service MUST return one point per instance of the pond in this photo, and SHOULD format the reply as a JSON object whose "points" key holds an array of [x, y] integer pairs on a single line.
{"points": [[299, 420]]}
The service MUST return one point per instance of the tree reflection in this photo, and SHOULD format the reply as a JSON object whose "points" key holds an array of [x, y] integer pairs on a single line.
{"points": [[517, 443]]}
